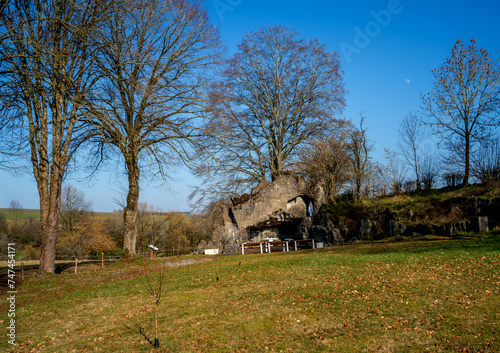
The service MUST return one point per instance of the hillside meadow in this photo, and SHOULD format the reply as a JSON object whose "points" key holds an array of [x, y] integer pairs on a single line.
{"points": [[439, 295]]}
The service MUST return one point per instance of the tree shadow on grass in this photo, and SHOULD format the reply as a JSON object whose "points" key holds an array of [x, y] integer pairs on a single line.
{"points": [[59, 268], [136, 328]]}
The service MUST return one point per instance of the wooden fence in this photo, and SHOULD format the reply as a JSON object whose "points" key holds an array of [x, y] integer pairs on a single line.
{"points": [[274, 246]]}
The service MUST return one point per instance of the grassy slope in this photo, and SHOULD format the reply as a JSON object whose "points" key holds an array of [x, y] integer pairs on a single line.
{"points": [[428, 207], [440, 295], [421, 201]]}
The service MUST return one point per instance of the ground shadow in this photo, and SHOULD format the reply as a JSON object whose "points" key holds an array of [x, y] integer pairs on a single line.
{"points": [[136, 328]]}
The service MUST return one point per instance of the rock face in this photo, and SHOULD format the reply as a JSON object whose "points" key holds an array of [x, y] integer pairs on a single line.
{"points": [[283, 208]]}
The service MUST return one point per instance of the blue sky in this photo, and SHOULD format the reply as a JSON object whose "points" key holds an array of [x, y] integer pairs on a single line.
{"points": [[387, 51]]}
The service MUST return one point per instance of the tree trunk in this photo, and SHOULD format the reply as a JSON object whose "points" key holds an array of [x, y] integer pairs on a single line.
{"points": [[49, 240], [50, 206], [357, 192], [130, 212], [465, 181]]}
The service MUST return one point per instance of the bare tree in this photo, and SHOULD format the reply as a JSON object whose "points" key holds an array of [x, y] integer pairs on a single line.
{"points": [[359, 149], [429, 172], [15, 208], [73, 207], [328, 161], [393, 172], [464, 102], [157, 60], [47, 70], [411, 134], [278, 92], [486, 161], [156, 285]]}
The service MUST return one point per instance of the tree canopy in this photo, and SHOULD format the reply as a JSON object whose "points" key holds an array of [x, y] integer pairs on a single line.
{"points": [[277, 93]]}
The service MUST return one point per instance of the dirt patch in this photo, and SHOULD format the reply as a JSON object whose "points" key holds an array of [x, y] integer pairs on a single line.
{"points": [[186, 262]]}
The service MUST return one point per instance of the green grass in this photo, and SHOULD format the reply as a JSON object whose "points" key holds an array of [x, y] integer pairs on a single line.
{"points": [[20, 214], [423, 200], [34, 213], [427, 295]]}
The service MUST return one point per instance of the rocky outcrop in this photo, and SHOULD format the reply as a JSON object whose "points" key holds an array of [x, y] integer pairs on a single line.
{"points": [[283, 208], [445, 218]]}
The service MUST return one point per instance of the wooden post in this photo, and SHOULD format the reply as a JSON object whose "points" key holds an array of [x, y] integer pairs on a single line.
{"points": [[314, 247], [22, 271], [242, 249], [76, 265], [260, 247], [287, 249], [102, 259], [295, 245]]}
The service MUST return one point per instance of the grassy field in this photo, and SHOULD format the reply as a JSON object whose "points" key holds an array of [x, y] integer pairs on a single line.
{"points": [[427, 295], [20, 214], [34, 213]]}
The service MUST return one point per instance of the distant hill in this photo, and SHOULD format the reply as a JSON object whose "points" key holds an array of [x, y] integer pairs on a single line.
{"points": [[24, 213]]}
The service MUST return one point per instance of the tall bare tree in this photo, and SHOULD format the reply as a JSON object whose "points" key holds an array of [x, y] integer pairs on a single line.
{"points": [[157, 60], [277, 93], [359, 150], [464, 102], [429, 171], [47, 69], [411, 135], [393, 171]]}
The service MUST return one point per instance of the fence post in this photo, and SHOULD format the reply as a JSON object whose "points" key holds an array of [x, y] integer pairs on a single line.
{"points": [[314, 247], [76, 265], [242, 249], [295, 242], [102, 259], [287, 249], [22, 271]]}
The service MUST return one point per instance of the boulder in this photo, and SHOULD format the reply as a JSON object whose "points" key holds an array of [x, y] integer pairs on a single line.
{"points": [[283, 208], [479, 224], [329, 236], [364, 230], [203, 245]]}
